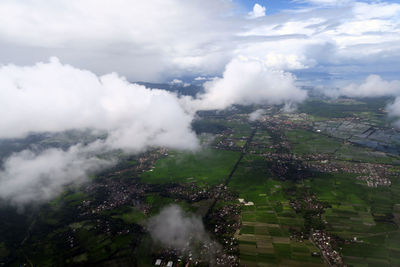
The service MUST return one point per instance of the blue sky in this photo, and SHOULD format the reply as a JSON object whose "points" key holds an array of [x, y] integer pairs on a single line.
{"points": [[276, 6], [271, 5]]}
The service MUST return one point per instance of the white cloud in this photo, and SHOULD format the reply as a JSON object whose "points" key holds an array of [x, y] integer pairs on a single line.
{"points": [[52, 97], [394, 111], [176, 81], [159, 40], [256, 115], [377, 10], [285, 61], [29, 177], [357, 37], [172, 227], [248, 81], [258, 11], [326, 2], [140, 39], [373, 86]]}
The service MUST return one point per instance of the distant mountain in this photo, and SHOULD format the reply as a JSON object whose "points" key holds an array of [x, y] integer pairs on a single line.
{"points": [[180, 89]]}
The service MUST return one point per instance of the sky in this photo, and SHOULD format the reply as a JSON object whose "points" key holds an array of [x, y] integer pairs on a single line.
{"points": [[72, 64], [272, 7], [331, 41]]}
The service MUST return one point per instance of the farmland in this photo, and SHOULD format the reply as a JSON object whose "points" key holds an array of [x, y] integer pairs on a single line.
{"points": [[293, 189]]}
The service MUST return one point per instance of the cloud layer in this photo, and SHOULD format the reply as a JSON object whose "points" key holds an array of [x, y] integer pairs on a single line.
{"points": [[251, 56], [143, 40], [53, 97], [175, 229], [248, 81], [373, 86], [156, 39], [28, 177]]}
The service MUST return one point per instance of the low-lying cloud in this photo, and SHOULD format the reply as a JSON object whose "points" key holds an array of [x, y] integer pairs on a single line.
{"points": [[373, 86], [249, 81], [53, 97], [29, 177], [256, 115], [173, 228], [176, 229]]}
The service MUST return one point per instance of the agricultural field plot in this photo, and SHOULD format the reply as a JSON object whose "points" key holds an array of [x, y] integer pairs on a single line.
{"points": [[240, 128], [261, 143], [306, 142], [366, 216], [208, 166], [350, 152], [343, 109], [264, 237]]}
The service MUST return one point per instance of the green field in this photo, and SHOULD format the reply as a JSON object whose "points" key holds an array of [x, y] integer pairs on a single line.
{"points": [[332, 109], [364, 213], [264, 237], [306, 142], [362, 154], [206, 166]]}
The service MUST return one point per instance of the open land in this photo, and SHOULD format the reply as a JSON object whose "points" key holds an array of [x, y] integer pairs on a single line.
{"points": [[316, 187]]}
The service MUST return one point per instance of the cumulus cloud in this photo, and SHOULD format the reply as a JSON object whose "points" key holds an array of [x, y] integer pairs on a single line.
{"points": [[247, 81], [373, 86], [176, 81], [29, 177], [258, 11], [256, 115], [353, 38], [174, 228], [285, 61], [52, 97], [394, 111], [104, 36]]}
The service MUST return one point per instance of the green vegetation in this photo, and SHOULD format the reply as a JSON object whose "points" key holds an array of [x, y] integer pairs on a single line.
{"points": [[264, 236], [208, 126], [206, 166], [94, 225], [338, 109], [357, 153], [306, 142], [127, 214], [361, 212]]}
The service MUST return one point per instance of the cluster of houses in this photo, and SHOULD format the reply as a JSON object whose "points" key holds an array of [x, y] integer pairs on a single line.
{"points": [[372, 173], [309, 202], [327, 244], [375, 181]]}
